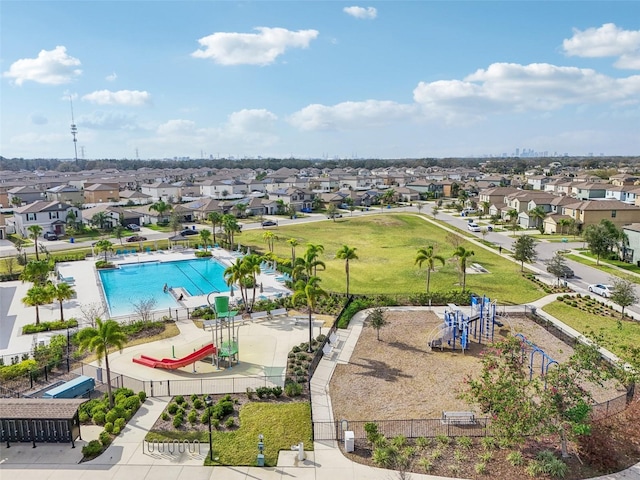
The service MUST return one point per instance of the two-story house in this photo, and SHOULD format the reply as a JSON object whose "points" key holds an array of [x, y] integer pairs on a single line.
{"points": [[24, 195], [50, 216], [101, 193], [161, 191], [297, 197], [590, 212], [588, 190], [624, 193], [65, 194]]}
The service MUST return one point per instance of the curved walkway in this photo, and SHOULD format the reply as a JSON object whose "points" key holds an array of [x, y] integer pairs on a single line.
{"points": [[125, 458]]}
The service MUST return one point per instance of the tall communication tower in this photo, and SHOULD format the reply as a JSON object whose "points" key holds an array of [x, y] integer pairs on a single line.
{"points": [[74, 131]]}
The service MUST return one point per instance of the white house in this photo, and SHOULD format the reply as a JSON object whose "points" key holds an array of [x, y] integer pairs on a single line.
{"points": [[50, 216]]}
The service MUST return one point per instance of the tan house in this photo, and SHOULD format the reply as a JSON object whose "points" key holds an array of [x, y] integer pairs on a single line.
{"points": [[101, 193], [590, 212]]}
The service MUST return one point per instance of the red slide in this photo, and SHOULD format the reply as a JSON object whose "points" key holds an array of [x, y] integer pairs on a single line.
{"points": [[174, 363]]}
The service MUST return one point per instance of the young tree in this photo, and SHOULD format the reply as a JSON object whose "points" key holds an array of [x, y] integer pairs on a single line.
{"points": [[623, 293], [462, 254], [99, 340], [557, 266], [293, 242], [434, 211], [205, 237], [269, 237], [332, 211], [143, 308], [428, 256], [524, 250], [347, 253], [310, 292], [538, 214], [34, 232], [377, 320], [599, 240], [61, 292]]}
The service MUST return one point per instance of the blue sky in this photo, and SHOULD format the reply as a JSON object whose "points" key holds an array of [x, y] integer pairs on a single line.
{"points": [[165, 79]]}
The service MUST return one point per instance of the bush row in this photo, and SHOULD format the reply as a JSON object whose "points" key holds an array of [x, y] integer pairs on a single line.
{"points": [[49, 326]]}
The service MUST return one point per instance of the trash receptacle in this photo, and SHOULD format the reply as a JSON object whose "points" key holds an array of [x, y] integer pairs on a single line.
{"points": [[349, 442], [72, 240]]}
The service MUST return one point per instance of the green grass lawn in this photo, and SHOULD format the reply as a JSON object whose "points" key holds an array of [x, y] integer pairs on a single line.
{"points": [[386, 246], [614, 337], [282, 424]]}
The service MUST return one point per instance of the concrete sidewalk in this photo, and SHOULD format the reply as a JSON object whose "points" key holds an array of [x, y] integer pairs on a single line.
{"points": [[126, 457]]}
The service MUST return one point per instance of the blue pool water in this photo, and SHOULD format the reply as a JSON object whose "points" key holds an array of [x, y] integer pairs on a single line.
{"points": [[130, 283]]}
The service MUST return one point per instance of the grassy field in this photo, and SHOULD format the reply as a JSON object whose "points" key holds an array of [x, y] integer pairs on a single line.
{"points": [[387, 245], [282, 424], [614, 337]]}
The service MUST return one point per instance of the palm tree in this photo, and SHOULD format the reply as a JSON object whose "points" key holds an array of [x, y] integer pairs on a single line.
{"points": [[563, 222], [205, 237], [294, 243], [269, 237], [389, 196], [347, 253], [104, 246], [36, 296], [462, 254], [308, 264], [105, 335], [428, 256], [61, 292], [310, 292], [231, 227], [161, 207], [538, 213], [236, 274], [36, 271], [34, 232], [99, 220], [71, 220], [251, 267], [16, 201], [119, 232], [216, 219], [486, 205]]}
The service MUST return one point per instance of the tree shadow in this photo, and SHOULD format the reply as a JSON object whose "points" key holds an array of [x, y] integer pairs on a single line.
{"points": [[405, 346], [381, 370]]}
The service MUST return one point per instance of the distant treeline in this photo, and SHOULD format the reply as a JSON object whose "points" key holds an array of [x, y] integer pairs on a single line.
{"points": [[514, 165]]}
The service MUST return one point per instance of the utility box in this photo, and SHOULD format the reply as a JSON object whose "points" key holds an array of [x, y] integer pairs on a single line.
{"points": [[349, 441], [260, 461]]}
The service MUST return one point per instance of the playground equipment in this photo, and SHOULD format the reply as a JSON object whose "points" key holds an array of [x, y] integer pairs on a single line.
{"points": [[225, 320], [545, 360], [458, 327], [175, 363]]}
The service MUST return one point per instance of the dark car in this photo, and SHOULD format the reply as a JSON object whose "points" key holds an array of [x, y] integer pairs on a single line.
{"points": [[136, 238], [186, 232], [566, 272], [50, 236], [269, 223]]}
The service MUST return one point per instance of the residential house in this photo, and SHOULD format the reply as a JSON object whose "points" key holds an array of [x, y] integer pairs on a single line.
{"points": [[632, 231], [528, 220], [590, 212], [588, 190], [50, 216], [428, 187], [95, 193], [406, 194], [622, 179], [65, 194], [133, 197], [494, 196], [538, 182], [25, 195], [161, 191], [224, 188], [360, 183], [297, 197], [624, 193], [3, 227], [554, 184]]}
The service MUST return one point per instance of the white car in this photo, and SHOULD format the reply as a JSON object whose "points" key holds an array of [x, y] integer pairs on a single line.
{"points": [[600, 289], [474, 227]]}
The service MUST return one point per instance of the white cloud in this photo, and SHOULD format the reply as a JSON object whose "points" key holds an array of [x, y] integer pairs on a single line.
{"points": [[177, 127], [368, 13], [51, 67], [262, 48], [508, 87], [108, 121], [112, 77], [606, 41], [129, 98], [247, 121], [350, 115]]}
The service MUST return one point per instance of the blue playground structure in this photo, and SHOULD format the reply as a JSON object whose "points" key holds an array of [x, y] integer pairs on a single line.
{"points": [[458, 327], [545, 360]]}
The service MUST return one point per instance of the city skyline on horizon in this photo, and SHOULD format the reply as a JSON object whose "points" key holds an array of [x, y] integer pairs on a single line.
{"points": [[319, 80]]}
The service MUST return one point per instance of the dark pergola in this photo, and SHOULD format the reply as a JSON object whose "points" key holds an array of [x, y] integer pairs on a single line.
{"points": [[40, 420]]}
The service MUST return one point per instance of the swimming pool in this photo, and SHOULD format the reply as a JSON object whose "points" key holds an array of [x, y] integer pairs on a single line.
{"points": [[128, 284]]}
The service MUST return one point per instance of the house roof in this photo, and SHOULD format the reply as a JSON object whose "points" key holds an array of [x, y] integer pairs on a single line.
{"points": [[596, 205], [634, 227], [42, 206], [39, 408]]}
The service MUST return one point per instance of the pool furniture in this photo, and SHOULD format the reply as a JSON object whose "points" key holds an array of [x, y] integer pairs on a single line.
{"points": [[259, 315]]}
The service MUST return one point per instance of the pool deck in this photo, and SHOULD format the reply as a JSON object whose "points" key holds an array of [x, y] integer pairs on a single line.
{"points": [[14, 315]]}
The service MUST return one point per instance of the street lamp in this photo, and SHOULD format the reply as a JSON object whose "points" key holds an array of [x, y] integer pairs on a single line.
{"points": [[260, 461], [209, 402]]}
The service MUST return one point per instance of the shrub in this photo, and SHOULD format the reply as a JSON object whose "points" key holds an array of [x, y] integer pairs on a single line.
{"points": [[459, 456], [98, 418], [371, 430], [179, 399], [215, 423], [177, 420], [172, 408], [276, 391], [250, 392], [534, 468], [480, 468], [132, 403], [263, 392], [464, 442], [443, 439], [92, 449], [489, 443], [83, 417], [425, 464], [436, 454], [204, 418], [230, 423], [193, 417], [116, 430], [292, 389], [165, 416], [142, 396], [485, 456], [111, 416], [108, 427], [399, 441], [423, 442], [105, 438]]}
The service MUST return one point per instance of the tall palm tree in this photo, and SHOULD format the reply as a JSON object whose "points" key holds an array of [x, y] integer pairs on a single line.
{"points": [[306, 266], [462, 254], [118, 232], [294, 243], [539, 214], [236, 274], [61, 292], [99, 220], [205, 237], [347, 253], [486, 205], [251, 267], [105, 335], [428, 256], [269, 237], [36, 296], [36, 271], [309, 291], [34, 232], [231, 227], [104, 246], [216, 219], [161, 207]]}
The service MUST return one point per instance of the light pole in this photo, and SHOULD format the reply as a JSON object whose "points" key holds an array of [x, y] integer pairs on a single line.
{"points": [[209, 402]]}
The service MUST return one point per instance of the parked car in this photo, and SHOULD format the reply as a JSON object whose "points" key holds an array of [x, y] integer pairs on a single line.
{"points": [[269, 223], [600, 289], [187, 231], [50, 236], [136, 238], [474, 227], [335, 215], [133, 227], [566, 272]]}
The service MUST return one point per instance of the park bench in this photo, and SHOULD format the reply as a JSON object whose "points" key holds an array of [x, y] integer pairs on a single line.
{"points": [[458, 418], [259, 315], [278, 312]]}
